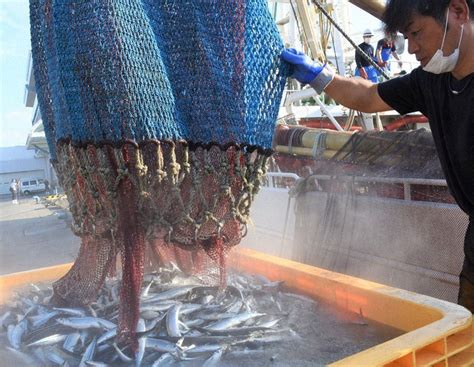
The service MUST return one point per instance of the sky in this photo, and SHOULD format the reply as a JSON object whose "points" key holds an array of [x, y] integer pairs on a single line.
{"points": [[15, 118]]}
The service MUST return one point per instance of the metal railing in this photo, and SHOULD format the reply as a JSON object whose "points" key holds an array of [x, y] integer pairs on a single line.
{"points": [[272, 181]]}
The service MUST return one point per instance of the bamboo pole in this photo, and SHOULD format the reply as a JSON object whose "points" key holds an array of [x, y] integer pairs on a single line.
{"points": [[334, 140], [303, 151]]}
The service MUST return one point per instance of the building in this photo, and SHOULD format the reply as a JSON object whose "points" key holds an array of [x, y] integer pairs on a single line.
{"points": [[21, 163]]}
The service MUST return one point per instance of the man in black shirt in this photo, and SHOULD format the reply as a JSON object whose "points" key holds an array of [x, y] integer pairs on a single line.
{"points": [[363, 68], [440, 34]]}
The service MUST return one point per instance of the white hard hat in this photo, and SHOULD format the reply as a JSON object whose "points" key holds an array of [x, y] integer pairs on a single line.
{"points": [[368, 33]]}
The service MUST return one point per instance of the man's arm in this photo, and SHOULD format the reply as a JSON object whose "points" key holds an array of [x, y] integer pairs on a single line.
{"points": [[354, 93], [395, 55], [358, 94], [378, 53], [358, 60]]}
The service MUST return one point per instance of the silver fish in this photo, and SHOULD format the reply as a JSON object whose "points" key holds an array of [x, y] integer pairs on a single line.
{"points": [[49, 340], [122, 355], [86, 323], [71, 341], [53, 356], [149, 315], [152, 324], [161, 345], [188, 308], [232, 321], [161, 306], [89, 353], [141, 327], [40, 320], [91, 311], [71, 311], [214, 359], [172, 325], [140, 352], [146, 290], [166, 359], [107, 335], [10, 333], [170, 293], [17, 333], [206, 348]]}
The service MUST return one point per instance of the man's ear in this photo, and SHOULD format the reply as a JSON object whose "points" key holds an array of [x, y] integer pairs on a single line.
{"points": [[459, 11]]}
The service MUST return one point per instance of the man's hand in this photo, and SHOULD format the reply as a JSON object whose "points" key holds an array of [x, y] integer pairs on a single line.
{"points": [[303, 68], [363, 73]]}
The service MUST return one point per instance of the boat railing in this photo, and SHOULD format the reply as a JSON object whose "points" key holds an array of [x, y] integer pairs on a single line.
{"points": [[285, 180]]}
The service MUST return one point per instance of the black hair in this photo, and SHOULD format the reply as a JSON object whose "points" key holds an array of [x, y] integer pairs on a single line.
{"points": [[399, 13]]}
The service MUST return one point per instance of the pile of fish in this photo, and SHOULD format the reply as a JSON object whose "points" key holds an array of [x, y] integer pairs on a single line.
{"points": [[182, 321]]}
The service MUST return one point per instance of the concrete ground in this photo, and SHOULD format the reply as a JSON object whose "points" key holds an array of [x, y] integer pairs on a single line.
{"points": [[33, 236]]}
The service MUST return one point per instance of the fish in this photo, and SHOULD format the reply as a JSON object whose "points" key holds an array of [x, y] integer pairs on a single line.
{"points": [[40, 320], [170, 293], [172, 325], [206, 348], [71, 341], [141, 327], [232, 321], [180, 320], [214, 359], [17, 333], [49, 340], [107, 335], [53, 356], [146, 290], [161, 345], [165, 360], [123, 357], [86, 323], [71, 311], [89, 352]]}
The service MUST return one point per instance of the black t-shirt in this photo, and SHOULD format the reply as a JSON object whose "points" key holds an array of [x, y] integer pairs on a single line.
{"points": [[451, 119], [369, 51]]}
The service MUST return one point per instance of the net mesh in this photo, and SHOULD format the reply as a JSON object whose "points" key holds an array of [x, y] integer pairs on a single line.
{"points": [[159, 118], [378, 208]]}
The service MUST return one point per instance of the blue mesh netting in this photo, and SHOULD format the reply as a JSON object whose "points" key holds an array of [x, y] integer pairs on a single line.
{"points": [[201, 70]]}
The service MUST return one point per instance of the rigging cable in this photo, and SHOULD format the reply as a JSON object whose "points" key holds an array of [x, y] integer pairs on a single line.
{"points": [[359, 50]]}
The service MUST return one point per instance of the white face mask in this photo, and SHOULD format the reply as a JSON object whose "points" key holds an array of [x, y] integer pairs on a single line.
{"points": [[443, 64]]}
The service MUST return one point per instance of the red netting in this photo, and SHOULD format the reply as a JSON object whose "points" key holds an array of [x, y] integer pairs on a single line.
{"points": [[188, 205]]}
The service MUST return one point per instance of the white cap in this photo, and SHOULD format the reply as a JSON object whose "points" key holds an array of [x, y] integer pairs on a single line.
{"points": [[367, 33]]}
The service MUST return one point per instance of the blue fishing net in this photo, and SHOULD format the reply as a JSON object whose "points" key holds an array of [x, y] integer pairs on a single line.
{"points": [[159, 117], [201, 71]]}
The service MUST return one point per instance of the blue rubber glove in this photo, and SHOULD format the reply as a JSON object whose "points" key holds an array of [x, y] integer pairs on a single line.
{"points": [[303, 68]]}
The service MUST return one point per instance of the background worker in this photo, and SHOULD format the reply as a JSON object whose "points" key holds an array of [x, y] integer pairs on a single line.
{"points": [[14, 191], [363, 68], [385, 50], [440, 34]]}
